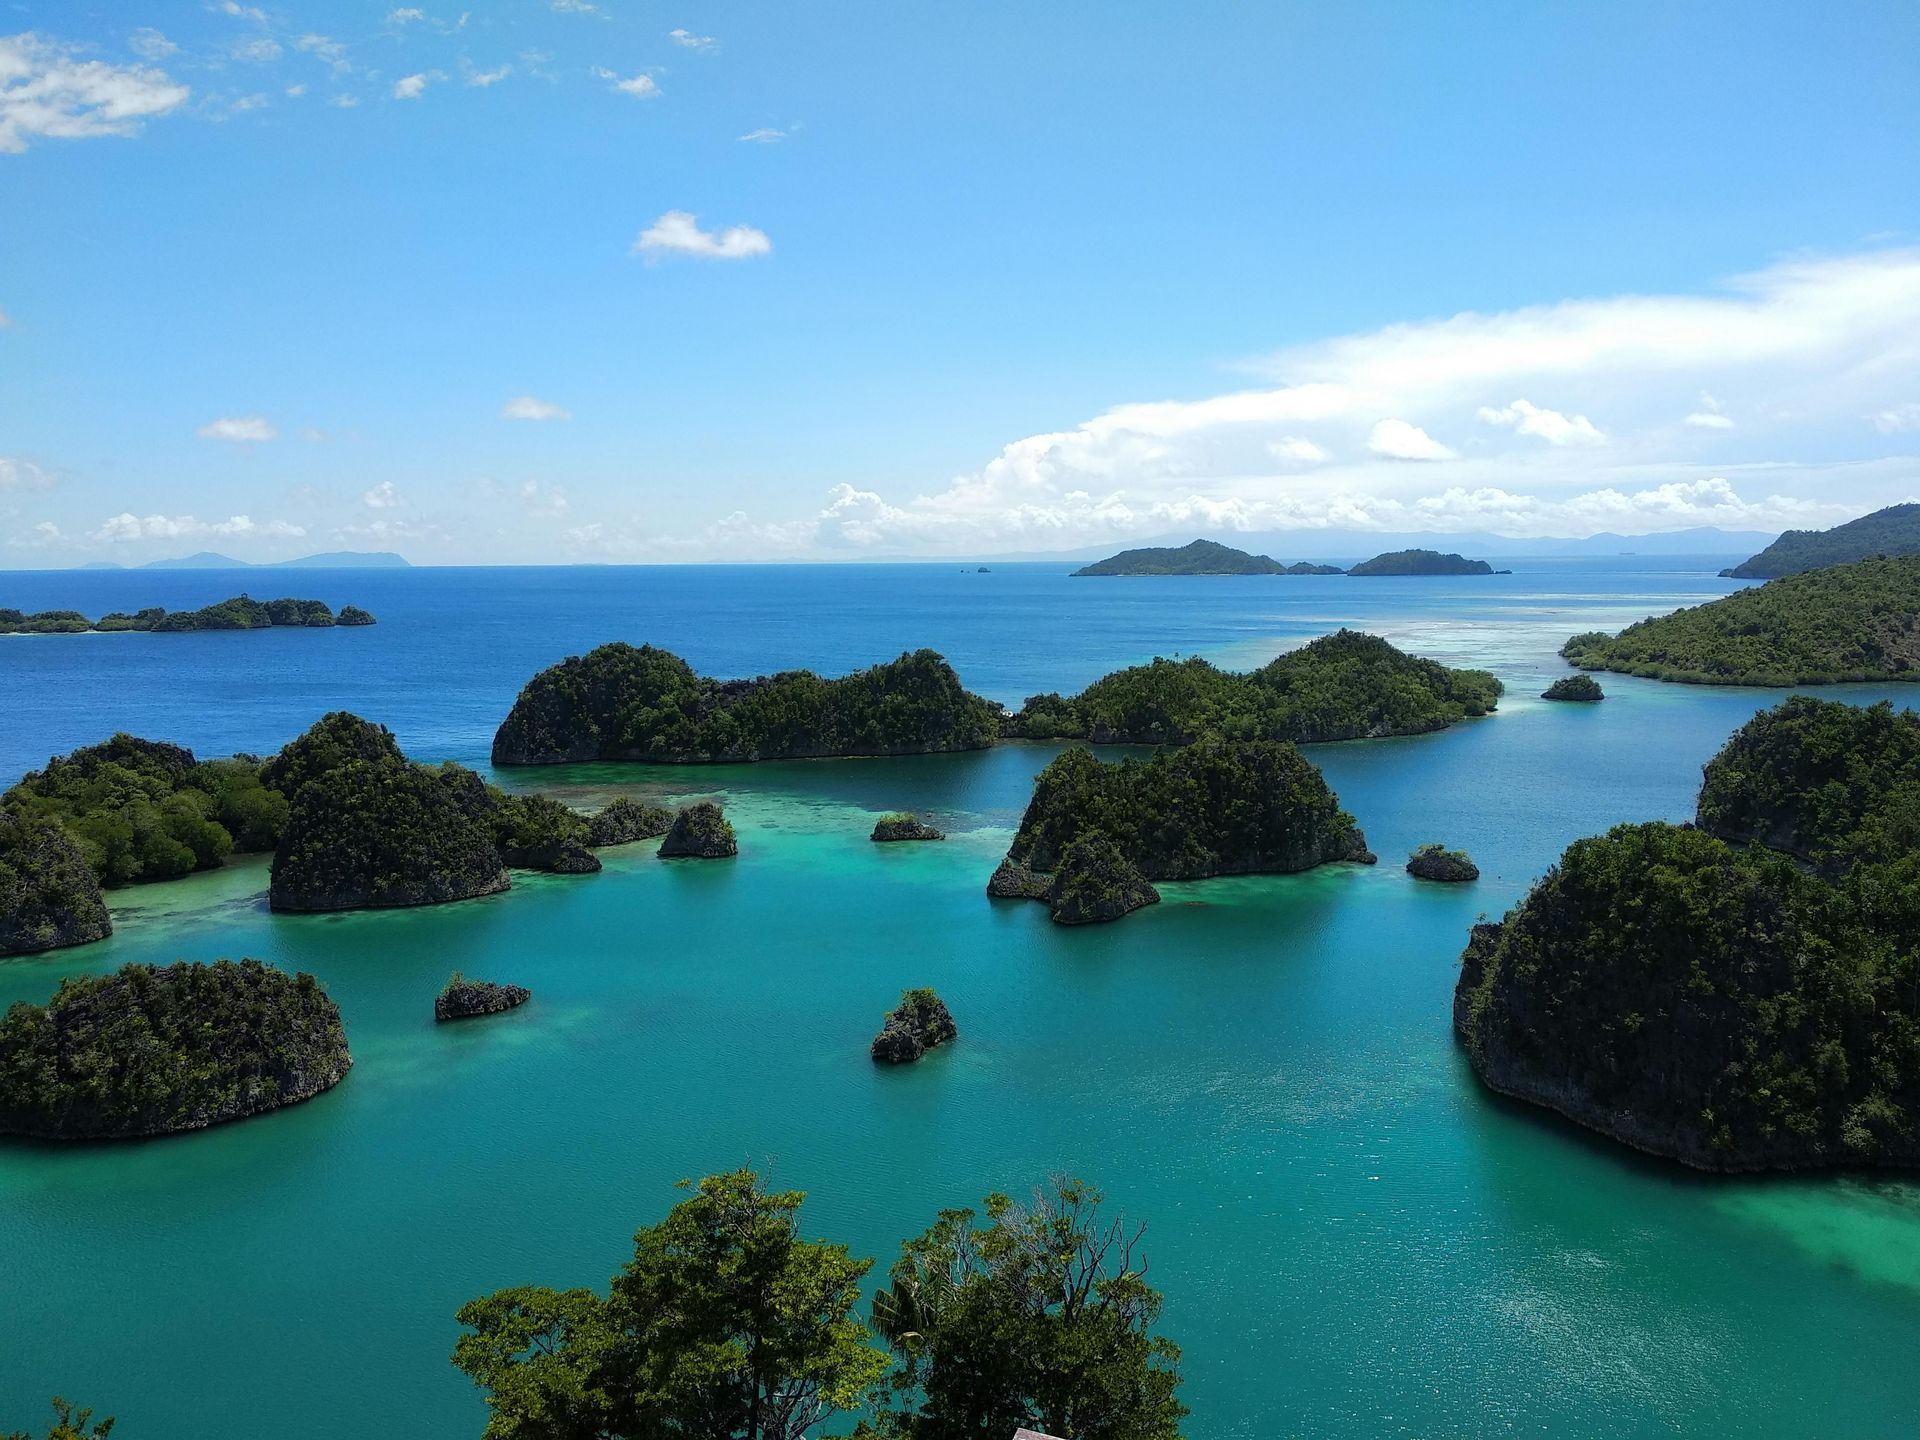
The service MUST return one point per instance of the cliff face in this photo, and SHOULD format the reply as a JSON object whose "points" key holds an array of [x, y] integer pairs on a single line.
{"points": [[49, 895], [921, 1022], [151, 1051], [620, 702], [700, 832], [1096, 883]]}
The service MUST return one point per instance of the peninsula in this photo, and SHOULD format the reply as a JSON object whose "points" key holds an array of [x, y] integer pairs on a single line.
{"points": [[1892, 531]]}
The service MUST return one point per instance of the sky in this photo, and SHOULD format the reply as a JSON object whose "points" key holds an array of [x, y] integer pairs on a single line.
{"points": [[545, 281]]}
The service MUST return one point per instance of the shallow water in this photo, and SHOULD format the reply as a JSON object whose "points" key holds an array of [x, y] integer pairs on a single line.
{"points": [[1352, 1238]]}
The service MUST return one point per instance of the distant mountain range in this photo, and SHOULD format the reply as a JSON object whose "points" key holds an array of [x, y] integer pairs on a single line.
{"points": [[1352, 545], [329, 560]]}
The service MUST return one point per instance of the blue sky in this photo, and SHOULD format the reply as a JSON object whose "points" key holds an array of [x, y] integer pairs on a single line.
{"points": [[985, 278]]}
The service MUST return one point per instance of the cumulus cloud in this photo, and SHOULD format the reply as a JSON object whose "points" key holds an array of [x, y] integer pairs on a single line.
{"points": [[409, 87], [406, 15], [243, 12], [332, 52], [678, 233], [344, 102], [485, 78], [261, 50], [1294, 450], [48, 92], [764, 136], [149, 44], [238, 429], [19, 474], [641, 87], [1526, 418], [690, 40], [1403, 440], [545, 501], [127, 527], [527, 407], [383, 497], [1890, 421], [41, 537]]}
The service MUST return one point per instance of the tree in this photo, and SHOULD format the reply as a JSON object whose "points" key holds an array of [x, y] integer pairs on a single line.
{"points": [[725, 1325], [1039, 1317], [69, 1424]]}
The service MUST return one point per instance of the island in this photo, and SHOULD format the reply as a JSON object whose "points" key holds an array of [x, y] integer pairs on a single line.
{"points": [[464, 999], [1580, 689], [49, 895], [1344, 686], [921, 1022], [1216, 807], [621, 702], [156, 1051], [700, 832], [904, 826], [1892, 531], [1201, 557], [1436, 862], [625, 820], [1094, 882], [1823, 627], [1701, 994], [239, 613], [1422, 562]]}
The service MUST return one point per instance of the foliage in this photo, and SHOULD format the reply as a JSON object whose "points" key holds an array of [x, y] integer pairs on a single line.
{"points": [[49, 896], [625, 820], [725, 1325], [1574, 687], [239, 613], [1833, 785], [701, 830], [70, 1424], [619, 702], [1420, 562], [45, 622], [1436, 862], [331, 741], [146, 810], [1892, 531], [1344, 686], [1217, 807], [1845, 623], [148, 1050], [1094, 881], [354, 615], [1201, 557], [920, 1022], [1041, 1316]]}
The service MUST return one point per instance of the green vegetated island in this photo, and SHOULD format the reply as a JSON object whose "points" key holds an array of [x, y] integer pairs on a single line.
{"points": [[1740, 995], [1822, 627], [1892, 531], [1209, 557], [1423, 562], [239, 613]]}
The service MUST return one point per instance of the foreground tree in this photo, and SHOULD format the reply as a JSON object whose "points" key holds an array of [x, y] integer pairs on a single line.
{"points": [[1039, 1317], [725, 1325], [69, 1424]]}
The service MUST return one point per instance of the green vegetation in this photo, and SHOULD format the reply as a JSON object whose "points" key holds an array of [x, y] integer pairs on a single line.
{"points": [[625, 820], [1892, 531], [1202, 557], [149, 1051], [904, 825], [1832, 785], [49, 896], [919, 1023], [1849, 622], [70, 1424], [1436, 862], [1217, 807], [623, 703], [726, 1325], [239, 613], [1344, 686], [1420, 562], [1579, 688], [1039, 1316], [700, 832], [145, 810], [1094, 882]]}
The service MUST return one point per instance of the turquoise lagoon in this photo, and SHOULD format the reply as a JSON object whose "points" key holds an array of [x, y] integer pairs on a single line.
{"points": [[1352, 1238]]}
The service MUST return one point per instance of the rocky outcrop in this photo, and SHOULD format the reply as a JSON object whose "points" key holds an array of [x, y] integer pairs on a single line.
{"points": [[464, 999], [557, 857], [1436, 862], [700, 832], [904, 827], [1095, 882], [49, 895], [625, 820], [1012, 881], [353, 615], [921, 1022], [1583, 688], [149, 1051]]}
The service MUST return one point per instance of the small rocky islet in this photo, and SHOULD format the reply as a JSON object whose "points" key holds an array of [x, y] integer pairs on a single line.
{"points": [[1437, 863], [919, 1024], [464, 999], [1581, 689], [700, 832], [903, 826]]}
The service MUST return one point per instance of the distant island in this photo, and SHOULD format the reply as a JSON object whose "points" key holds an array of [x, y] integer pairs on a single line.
{"points": [[155, 1051], [1892, 531], [1699, 994], [1421, 562], [1344, 686], [1823, 627], [1200, 557], [239, 613], [621, 702], [212, 560]]}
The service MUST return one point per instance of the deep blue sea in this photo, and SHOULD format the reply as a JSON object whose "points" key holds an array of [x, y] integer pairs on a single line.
{"points": [[1352, 1238]]}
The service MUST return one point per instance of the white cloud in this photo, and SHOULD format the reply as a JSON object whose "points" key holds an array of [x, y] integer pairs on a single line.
{"points": [[127, 527], [1890, 421], [243, 12], [383, 497], [259, 51], [344, 102], [764, 136], [526, 407], [238, 429], [574, 7], [1403, 440], [149, 44], [406, 15], [246, 103], [678, 233], [5, 320], [245, 525], [1551, 426], [294, 92], [641, 87], [690, 40], [41, 537], [325, 48], [485, 78], [547, 502], [1709, 416], [409, 87], [1293, 450], [48, 93], [18, 474]]}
